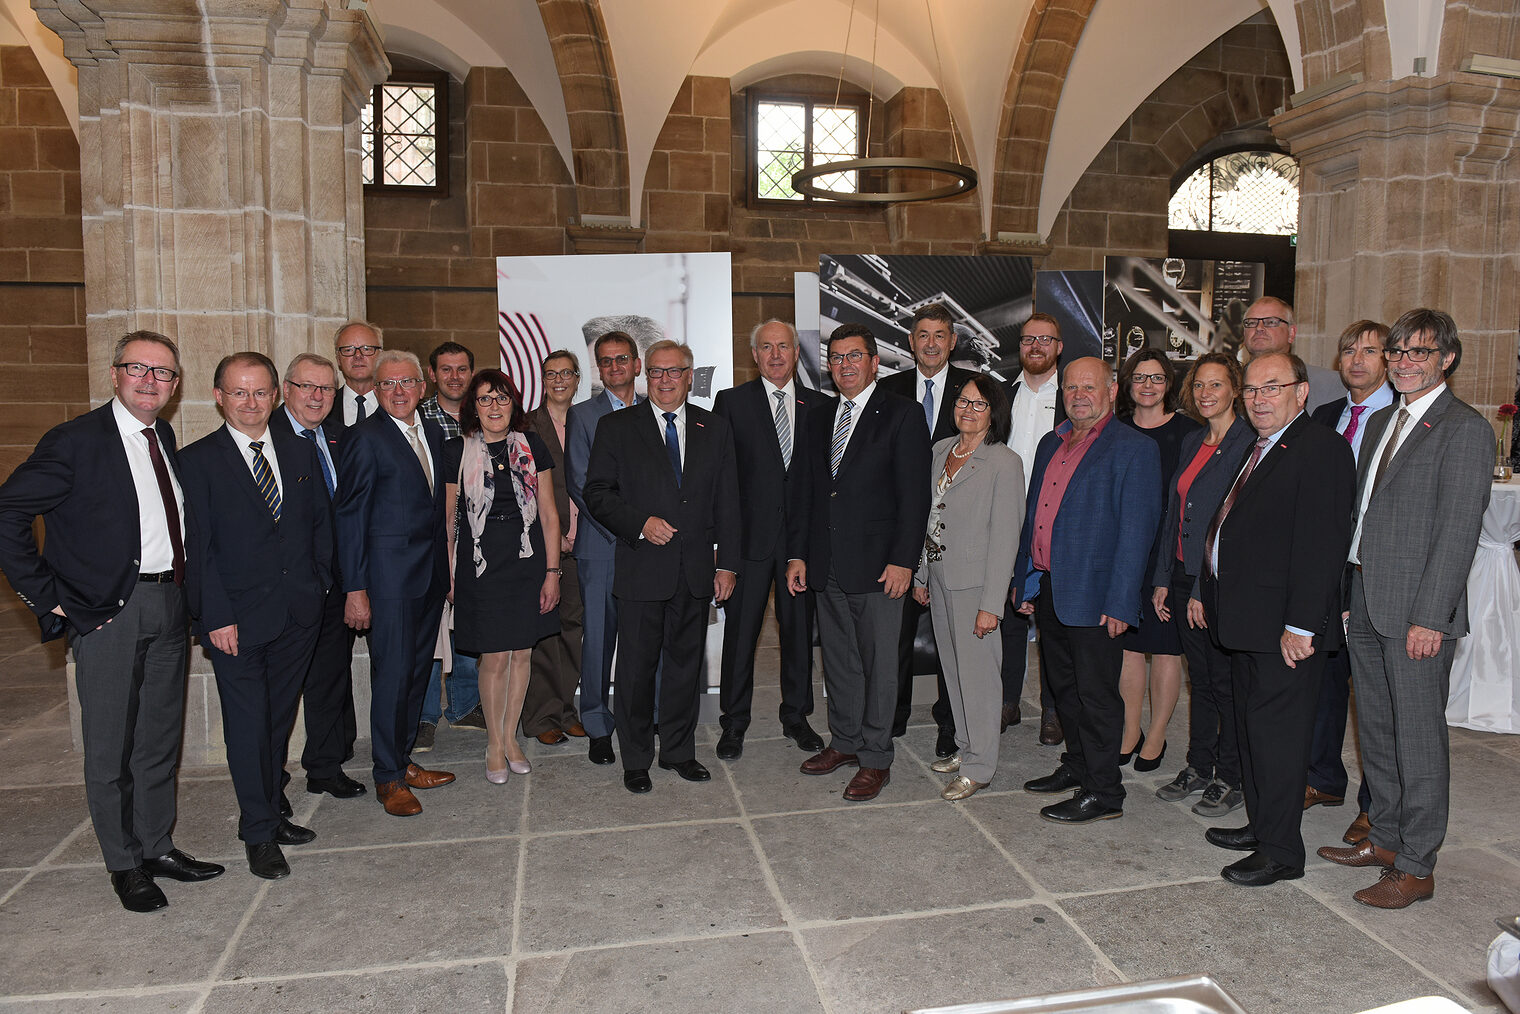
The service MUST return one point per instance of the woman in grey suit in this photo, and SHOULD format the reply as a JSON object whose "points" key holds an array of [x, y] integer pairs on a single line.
{"points": [[976, 514]]}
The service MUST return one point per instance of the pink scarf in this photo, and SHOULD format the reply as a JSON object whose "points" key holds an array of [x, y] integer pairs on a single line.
{"points": [[478, 483]]}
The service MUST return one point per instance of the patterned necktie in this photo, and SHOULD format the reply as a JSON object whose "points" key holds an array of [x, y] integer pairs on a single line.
{"points": [[1389, 448], [414, 437], [783, 429], [327, 476], [171, 506], [929, 404], [1351, 427], [263, 477], [841, 436], [1211, 543], [673, 444]]}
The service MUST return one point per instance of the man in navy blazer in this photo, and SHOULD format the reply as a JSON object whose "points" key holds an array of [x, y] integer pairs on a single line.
{"points": [[259, 564], [617, 360], [1094, 504], [766, 415], [395, 574], [111, 577]]}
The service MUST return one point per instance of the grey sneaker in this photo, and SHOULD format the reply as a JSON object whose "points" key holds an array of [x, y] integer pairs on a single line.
{"points": [[1218, 800], [425, 733], [473, 719], [1187, 782]]}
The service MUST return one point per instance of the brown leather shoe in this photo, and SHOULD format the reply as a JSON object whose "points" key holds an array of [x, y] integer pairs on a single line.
{"points": [[1314, 797], [1360, 828], [397, 799], [1050, 728], [1397, 889], [1011, 715], [867, 784], [577, 730], [1362, 854], [422, 778], [552, 737], [829, 760]]}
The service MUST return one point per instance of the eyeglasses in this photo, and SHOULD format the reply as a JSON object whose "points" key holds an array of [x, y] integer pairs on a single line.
{"points": [[162, 374], [835, 358], [308, 389], [1263, 323], [349, 351], [1265, 390], [976, 405], [674, 372], [1141, 379], [403, 383], [1044, 341], [606, 362], [487, 400], [241, 395], [564, 374], [1417, 354]]}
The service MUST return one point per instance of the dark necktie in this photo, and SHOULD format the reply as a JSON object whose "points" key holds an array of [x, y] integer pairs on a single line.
{"points": [[929, 404], [673, 444], [359, 412], [263, 477], [171, 506], [1212, 540], [327, 476]]}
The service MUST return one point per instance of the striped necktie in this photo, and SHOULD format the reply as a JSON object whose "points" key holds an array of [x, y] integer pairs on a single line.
{"points": [[783, 429], [263, 477], [841, 437]]}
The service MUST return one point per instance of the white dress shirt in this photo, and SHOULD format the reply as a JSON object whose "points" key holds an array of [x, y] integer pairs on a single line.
{"points": [[860, 401], [153, 524], [659, 419], [244, 445], [348, 401], [1034, 415], [790, 401], [1416, 411]]}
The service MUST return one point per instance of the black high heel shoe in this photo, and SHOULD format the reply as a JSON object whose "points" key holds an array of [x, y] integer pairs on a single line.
{"points": [[1124, 758], [1141, 764]]}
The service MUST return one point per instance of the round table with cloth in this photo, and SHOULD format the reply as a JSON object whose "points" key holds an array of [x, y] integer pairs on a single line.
{"points": [[1485, 675]]}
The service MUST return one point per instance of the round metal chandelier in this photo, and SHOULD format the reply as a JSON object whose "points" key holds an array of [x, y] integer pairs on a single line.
{"points": [[963, 178]]}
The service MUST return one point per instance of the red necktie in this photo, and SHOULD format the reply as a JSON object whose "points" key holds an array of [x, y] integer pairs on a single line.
{"points": [[1213, 537], [171, 506], [1356, 418]]}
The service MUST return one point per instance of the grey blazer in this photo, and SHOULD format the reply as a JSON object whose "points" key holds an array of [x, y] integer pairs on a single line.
{"points": [[983, 516], [1420, 529]]}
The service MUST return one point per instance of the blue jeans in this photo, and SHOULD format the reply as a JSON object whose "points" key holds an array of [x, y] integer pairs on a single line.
{"points": [[464, 690]]}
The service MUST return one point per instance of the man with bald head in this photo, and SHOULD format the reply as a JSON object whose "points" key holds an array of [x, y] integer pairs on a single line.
{"points": [[1093, 506], [1268, 328]]}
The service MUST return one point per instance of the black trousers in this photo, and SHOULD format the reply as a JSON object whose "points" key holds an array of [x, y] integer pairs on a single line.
{"points": [[1014, 630], [664, 636], [328, 692], [744, 614], [1213, 747], [1081, 666], [913, 615], [1274, 718]]}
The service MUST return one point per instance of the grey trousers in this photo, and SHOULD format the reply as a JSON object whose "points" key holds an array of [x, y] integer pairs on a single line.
{"points": [[973, 675], [859, 635], [130, 674], [1401, 724]]}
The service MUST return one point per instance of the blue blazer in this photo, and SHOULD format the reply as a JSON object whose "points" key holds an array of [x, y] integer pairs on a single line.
{"points": [[1104, 529], [390, 531], [1209, 488], [592, 539]]}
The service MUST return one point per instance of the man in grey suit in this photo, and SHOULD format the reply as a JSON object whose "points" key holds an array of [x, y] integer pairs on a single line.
{"points": [[1422, 487], [618, 363]]}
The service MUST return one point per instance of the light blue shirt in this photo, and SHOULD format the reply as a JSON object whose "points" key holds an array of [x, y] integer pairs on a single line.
{"points": [[321, 440], [1381, 398]]}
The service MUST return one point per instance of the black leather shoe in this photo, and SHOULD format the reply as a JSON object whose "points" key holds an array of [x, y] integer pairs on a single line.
{"points": [[293, 834], [1256, 870], [1238, 839], [1063, 779], [944, 744], [803, 735], [339, 786], [285, 808], [1083, 808], [730, 745], [691, 770], [637, 780], [177, 866], [266, 860], [600, 751], [137, 891]]}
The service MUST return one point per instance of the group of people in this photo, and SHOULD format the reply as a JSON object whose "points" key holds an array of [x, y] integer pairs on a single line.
{"points": [[517, 551]]}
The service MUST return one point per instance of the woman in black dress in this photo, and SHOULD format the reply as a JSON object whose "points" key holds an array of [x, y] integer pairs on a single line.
{"points": [[505, 531], [1147, 403]]}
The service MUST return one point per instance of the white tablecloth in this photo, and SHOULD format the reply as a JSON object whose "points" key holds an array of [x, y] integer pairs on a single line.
{"points": [[1485, 677]]}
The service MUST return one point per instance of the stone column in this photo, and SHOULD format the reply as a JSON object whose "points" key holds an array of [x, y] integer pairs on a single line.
{"points": [[1410, 196]]}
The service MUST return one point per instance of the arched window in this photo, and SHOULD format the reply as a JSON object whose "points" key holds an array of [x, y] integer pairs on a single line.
{"points": [[1245, 191]]}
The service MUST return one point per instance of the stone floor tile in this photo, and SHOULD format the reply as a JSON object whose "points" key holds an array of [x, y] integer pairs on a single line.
{"points": [[206, 827], [51, 815], [468, 807], [625, 886], [758, 972], [44, 706], [462, 989], [166, 1002], [768, 779], [571, 794], [384, 906], [1485, 794], [36, 756]]}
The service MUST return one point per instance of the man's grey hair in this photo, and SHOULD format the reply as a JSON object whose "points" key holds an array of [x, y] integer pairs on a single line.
{"points": [[398, 356], [1284, 308], [665, 343], [373, 329], [313, 359], [754, 335]]}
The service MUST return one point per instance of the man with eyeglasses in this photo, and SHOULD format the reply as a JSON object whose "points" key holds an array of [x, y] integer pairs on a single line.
{"points": [[1270, 587], [1037, 409], [933, 384], [358, 343], [260, 556], [1423, 483], [855, 527], [111, 579], [1268, 328], [395, 572], [327, 690]]}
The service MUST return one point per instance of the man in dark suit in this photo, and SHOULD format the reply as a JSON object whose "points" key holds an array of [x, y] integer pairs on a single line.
{"points": [[1089, 521], [855, 526], [259, 565], [395, 574], [766, 414], [111, 578], [327, 690], [662, 478], [357, 343], [1365, 374], [1271, 596], [933, 384], [618, 363], [1423, 485]]}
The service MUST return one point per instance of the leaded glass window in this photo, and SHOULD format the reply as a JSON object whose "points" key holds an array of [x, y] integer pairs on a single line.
{"points": [[797, 133], [405, 134], [1246, 191]]}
